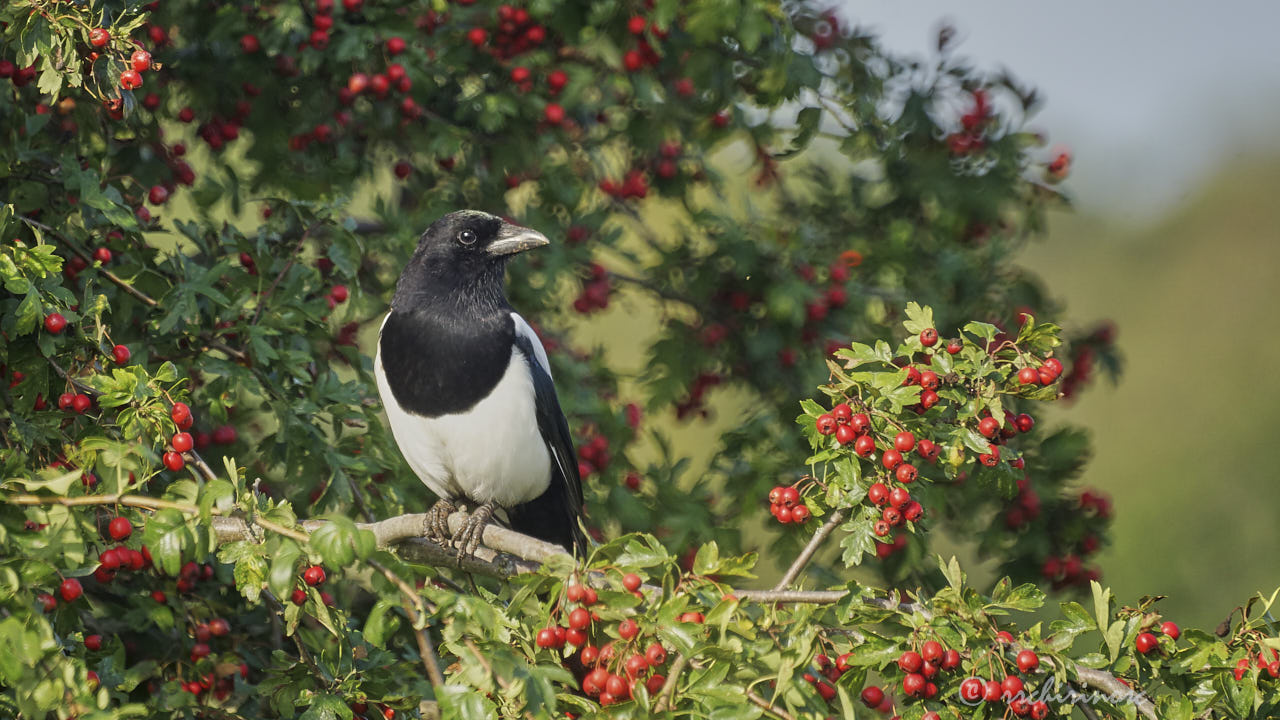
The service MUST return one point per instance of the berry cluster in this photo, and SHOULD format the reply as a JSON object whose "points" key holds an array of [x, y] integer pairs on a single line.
{"points": [[593, 455], [1271, 666], [516, 33], [595, 291], [973, 125], [785, 505], [695, 402], [610, 673], [634, 185]]}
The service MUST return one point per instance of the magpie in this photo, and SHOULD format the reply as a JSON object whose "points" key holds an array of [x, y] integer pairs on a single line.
{"points": [[468, 392]]}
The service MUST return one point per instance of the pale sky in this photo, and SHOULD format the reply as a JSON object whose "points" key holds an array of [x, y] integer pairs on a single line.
{"points": [[1151, 96]]}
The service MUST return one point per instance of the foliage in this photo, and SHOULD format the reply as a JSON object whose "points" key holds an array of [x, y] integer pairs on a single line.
{"points": [[131, 213]]}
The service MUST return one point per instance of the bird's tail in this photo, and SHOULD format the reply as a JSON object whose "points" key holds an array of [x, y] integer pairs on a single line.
{"points": [[551, 517]]}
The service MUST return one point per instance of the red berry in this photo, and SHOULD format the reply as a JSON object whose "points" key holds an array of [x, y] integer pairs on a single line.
{"points": [[931, 651], [70, 590], [636, 25], [181, 442], [80, 403], [826, 424], [950, 659], [1011, 687], [878, 493], [906, 473], [180, 413], [55, 323], [546, 638], [954, 346], [864, 446], [989, 426], [655, 654], [891, 459], [872, 696], [799, 514], [174, 461], [790, 496], [1024, 423], [1053, 365], [899, 497], [692, 617], [1171, 629], [1027, 661], [158, 195], [842, 413], [553, 113], [47, 602], [632, 60], [395, 46], [904, 442], [93, 642], [910, 661], [1028, 376], [628, 629], [140, 60], [882, 528], [929, 380], [631, 582], [99, 37], [130, 80], [913, 684], [1145, 643], [120, 353], [928, 337], [314, 575], [928, 399], [477, 36], [971, 690], [991, 691], [120, 528], [556, 80], [845, 435], [636, 665], [860, 423]]}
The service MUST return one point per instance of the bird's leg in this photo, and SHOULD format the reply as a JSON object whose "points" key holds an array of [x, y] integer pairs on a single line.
{"points": [[436, 524], [469, 535]]}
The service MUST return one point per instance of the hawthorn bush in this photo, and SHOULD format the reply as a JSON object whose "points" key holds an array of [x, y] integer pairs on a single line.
{"points": [[205, 207]]}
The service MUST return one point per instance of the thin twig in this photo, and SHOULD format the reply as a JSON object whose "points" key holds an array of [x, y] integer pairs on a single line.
{"points": [[805, 555], [416, 612], [669, 687], [119, 281], [297, 249], [502, 683], [767, 707]]}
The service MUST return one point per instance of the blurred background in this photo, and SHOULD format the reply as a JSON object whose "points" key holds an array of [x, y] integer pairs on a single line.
{"points": [[1170, 110]]}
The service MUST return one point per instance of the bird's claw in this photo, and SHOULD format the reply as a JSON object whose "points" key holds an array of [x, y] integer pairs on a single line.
{"points": [[436, 523], [468, 536]]}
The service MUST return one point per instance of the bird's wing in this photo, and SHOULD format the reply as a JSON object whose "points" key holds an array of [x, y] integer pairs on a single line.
{"points": [[555, 432]]}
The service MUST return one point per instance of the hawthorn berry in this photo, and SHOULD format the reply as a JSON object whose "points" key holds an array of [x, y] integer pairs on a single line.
{"points": [[47, 602], [971, 690], [878, 493], [1011, 686], [1171, 629], [55, 323], [636, 665], [928, 399], [899, 497], [950, 659], [905, 473], [1028, 376], [954, 346], [931, 651], [1024, 423], [1145, 643], [799, 514], [989, 426], [120, 528], [882, 528], [628, 629], [546, 638], [864, 446], [789, 496], [891, 459], [120, 354], [314, 575], [826, 424], [70, 590], [93, 642], [929, 380], [928, 337], [910, 661], [130, 80], [904, 442], [174, 461], [914, 684], [81, 403], [872, 696], [140, 60], [842, 413], [845, 435], [991, 691], [860, 423], [1027, 661], [99, 37], [395, 45], [655, 654], [631, 582], [1053, 365], [556, 80], [692, 617]]}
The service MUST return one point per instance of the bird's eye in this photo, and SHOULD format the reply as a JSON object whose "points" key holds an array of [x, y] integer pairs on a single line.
{"points": [[467, 237]]}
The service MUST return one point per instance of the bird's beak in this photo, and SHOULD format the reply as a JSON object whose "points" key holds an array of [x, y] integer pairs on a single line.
{"points": [[513, 239]]}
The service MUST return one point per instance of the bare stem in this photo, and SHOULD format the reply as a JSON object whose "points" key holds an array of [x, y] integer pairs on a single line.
{"points": [[805, 555]]}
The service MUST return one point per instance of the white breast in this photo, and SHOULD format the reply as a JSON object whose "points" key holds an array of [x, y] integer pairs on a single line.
{"points": [[491, 453]]}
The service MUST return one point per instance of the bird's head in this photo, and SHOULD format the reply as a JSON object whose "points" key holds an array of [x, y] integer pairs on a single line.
{"points": [[461, 258]]}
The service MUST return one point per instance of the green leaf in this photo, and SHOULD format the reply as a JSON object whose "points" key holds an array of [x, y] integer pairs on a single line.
{"points": [[339, 542], [918, 318], [327, 707], [381, 623], [166, 534]]}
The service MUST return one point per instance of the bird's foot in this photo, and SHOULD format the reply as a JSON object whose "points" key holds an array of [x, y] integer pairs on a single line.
{"points": [[436, 524], [468, 536]]}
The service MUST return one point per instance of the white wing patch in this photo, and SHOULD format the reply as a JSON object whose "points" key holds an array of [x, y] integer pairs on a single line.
{"points": [[491, 453], [524, 330]]}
